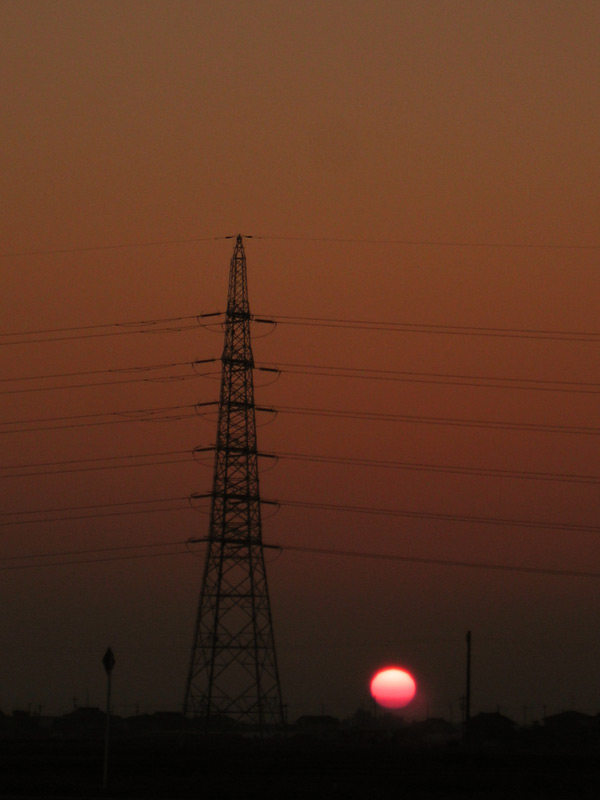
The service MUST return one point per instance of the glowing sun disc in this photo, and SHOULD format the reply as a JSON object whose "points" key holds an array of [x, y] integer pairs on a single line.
{"points": [[393, 687]]}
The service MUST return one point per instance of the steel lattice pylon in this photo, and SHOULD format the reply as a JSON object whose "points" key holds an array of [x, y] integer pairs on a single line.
{"points": [[233, 667]]}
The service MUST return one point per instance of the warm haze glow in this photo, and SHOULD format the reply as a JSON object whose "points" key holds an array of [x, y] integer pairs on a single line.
{"points": [[349, 136], [393, 687]]}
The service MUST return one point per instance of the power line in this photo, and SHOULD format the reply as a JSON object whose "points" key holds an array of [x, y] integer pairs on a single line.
{"points": [[150, 414], [439, 517], [127, 324], [450, 330], [444, 562], [114, 509], [154, 331], [83, 373], [449, 421], [562, 477], [78, 562], [144, 326], [100, 463], [565, 573], [530, 384], [174, 418], [63, 553], [113, 371], [311, 239], [131, 415], [434, 243], [445, 379], [75, 465], [77, 518], [63, 517], [68, 470], [400, 327], [119, 246], [62, 387], [290, 548], [382, 374], [97, 505], [439, 378]]}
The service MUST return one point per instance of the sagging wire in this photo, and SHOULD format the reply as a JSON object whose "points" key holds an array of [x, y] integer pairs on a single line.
{"points": [[211, 327], [263, 321], [211, 375], [197, 450], [270, 420], [198, 496], [273, 457], [209, 417], [276, 372]]}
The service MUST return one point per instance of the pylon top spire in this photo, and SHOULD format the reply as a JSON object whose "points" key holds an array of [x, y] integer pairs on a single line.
{"points": [[237, 296]]}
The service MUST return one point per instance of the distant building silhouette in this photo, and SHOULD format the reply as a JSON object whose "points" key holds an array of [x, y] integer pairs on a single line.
{"points": [[492, 729], [320, 726], [435, 732], [571, 729]]}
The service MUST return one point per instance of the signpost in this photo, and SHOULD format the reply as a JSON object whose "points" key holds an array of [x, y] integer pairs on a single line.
{"points": [[109, 662]]}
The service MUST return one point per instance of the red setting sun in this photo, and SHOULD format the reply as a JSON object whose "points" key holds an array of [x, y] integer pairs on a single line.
{"points": [[393, 687]]}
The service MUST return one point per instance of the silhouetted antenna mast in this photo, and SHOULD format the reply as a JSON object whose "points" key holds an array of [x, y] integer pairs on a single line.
{"points": [[233, 671]]}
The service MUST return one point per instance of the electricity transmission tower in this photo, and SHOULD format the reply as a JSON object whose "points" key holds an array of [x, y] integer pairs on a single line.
{"points": [[233, 667]]}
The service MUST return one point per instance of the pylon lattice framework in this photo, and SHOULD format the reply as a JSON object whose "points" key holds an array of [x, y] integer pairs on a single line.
{"points": [[233, 667]]}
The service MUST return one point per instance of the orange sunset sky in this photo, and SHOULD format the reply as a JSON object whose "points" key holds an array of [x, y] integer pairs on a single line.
{"points": [[430, 168]]}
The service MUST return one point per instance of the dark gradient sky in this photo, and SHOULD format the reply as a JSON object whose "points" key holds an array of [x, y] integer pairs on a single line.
{"points": [[385, 122]]}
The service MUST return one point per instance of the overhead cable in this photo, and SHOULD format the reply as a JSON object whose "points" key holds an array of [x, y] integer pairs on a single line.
{"points": [[449, 421], [313, 239], [446, 562], [118, 246], [435, 243], [448, 330], [563, 477], [83, 331], [440, 517], [391, 557], [445, 379], [156, 414], [149, 506]]}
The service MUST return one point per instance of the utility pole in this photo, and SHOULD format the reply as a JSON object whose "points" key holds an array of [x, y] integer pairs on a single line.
{"points": [[108, 662], [468, 691], [233, 674]]}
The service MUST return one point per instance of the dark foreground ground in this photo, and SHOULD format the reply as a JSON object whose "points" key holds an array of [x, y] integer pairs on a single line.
{"points": [[172, 767]]}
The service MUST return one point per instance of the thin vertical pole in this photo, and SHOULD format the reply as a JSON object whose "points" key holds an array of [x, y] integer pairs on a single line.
{"points": [[468, 690], [106, 731], [109, 662]]}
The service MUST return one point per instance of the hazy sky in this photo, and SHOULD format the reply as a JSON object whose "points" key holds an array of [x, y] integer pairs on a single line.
{"points": [[414, 163]]}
